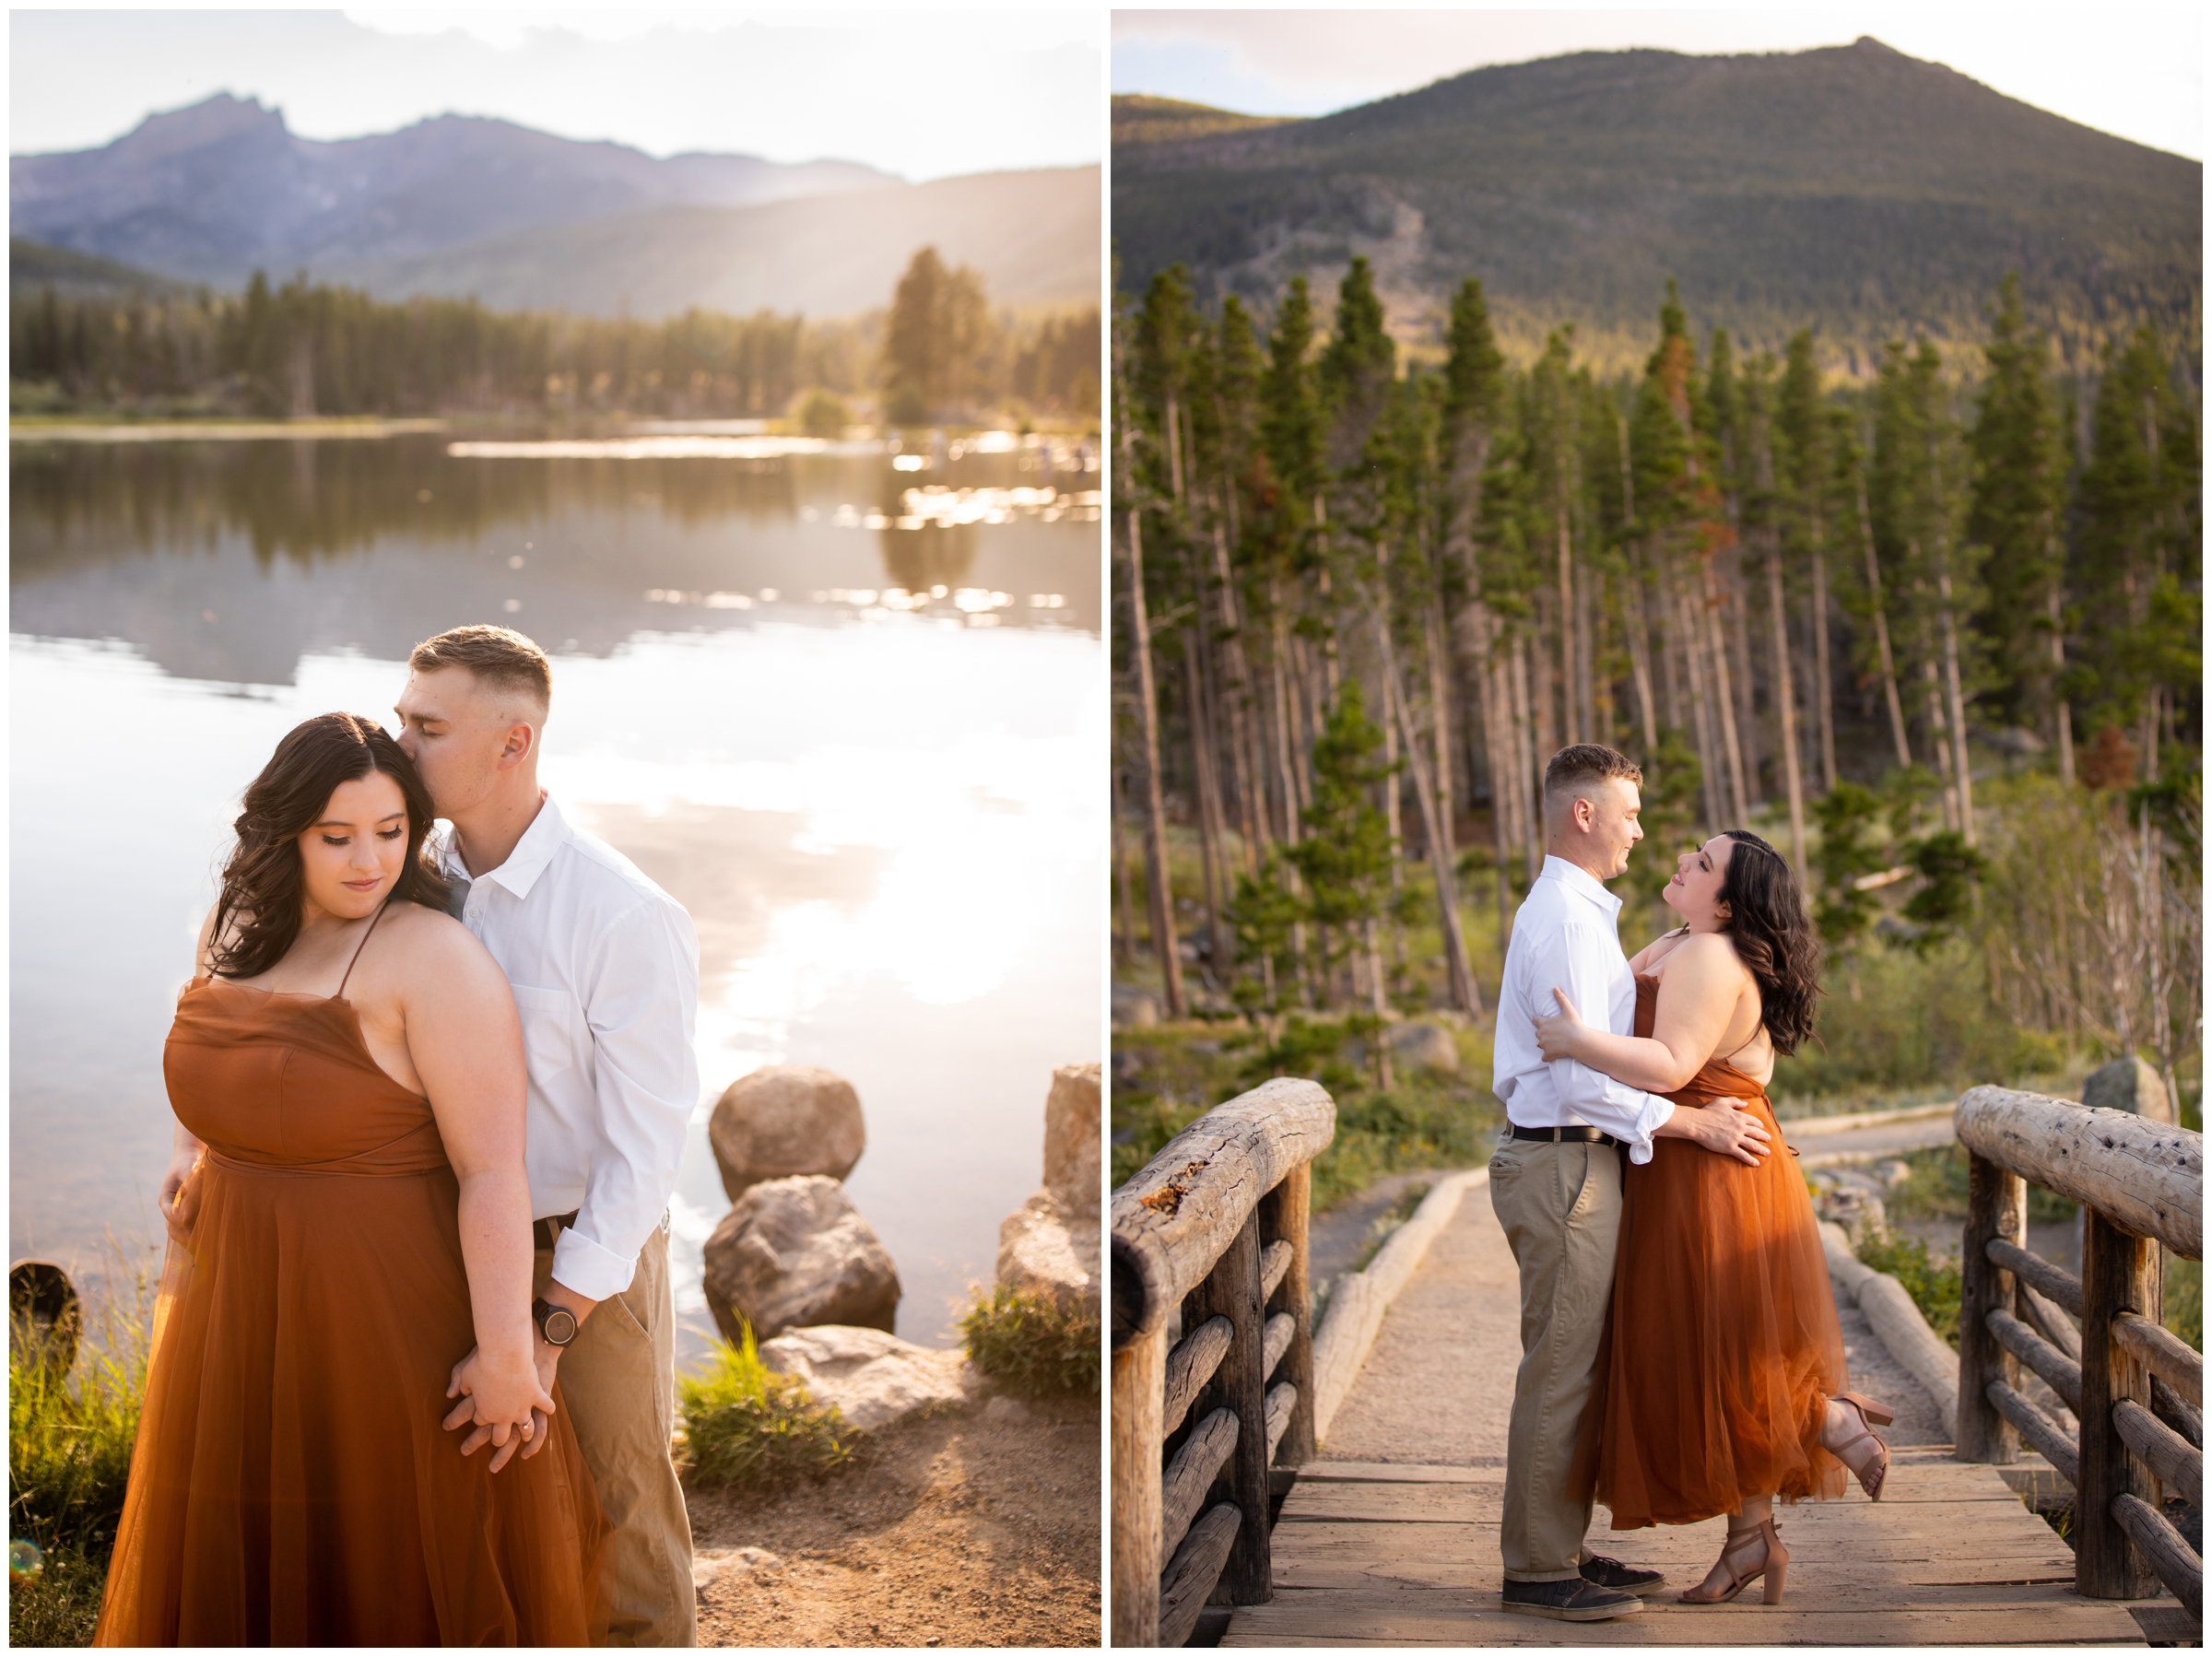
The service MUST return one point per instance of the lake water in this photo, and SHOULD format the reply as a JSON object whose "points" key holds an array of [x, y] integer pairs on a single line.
{"points": [[847, 706]]}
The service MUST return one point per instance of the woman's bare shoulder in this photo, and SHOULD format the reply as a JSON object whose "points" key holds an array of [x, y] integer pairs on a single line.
{"points": [[430, 941]]}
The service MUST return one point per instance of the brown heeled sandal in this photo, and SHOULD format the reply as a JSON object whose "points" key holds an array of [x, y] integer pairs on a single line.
{"points": [[1773, 1567], [1871, 1414]]}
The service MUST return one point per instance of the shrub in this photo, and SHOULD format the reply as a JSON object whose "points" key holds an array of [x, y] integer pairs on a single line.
{"points": [[750, 1427], [70, 1437], [1933, 1283], [1033, 1343], [2185, 1312], [1936, 1189]]}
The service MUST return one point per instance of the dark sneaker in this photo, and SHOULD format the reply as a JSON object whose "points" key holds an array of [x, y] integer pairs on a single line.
{"points": [[1628, 1579], [1571, 1600]]}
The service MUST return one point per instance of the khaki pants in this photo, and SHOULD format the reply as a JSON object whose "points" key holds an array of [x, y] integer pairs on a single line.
{"points": [[1560, 1209], [617, 1383]]}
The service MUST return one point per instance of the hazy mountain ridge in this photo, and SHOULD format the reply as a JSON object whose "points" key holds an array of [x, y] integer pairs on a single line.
{"points": [[1852, 188], [461, 206], [213, 191]]}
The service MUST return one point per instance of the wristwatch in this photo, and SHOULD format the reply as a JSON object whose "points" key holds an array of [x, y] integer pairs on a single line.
{"points": [[556, 1323]]}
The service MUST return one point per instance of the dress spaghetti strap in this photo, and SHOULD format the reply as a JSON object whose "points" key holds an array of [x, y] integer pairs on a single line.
{"points": [[358, 948]]}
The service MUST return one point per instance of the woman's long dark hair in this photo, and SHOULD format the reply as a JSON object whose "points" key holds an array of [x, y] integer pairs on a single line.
{"points": [[1773, 935], [262, 882]]}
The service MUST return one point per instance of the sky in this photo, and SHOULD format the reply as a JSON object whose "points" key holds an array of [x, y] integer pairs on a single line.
{"points": [[2132, 70], [922, 95]]}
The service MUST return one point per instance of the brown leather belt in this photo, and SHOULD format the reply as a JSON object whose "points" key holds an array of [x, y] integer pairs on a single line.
{"points": [[544, 1231], [1579, 1136]]}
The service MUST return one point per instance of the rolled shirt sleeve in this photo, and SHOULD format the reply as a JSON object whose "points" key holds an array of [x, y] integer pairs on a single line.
{"points": [[1574, 959], [640, 1003]]}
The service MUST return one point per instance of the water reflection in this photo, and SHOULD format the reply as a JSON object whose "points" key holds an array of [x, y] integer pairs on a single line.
{"points": [[859, 754]]}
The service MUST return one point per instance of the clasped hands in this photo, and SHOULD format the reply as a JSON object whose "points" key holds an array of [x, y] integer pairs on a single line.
{"points": [[504, 1402]]}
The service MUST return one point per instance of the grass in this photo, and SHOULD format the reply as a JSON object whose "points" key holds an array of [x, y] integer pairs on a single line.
{"points": [[1030, 1342], [747, 1426], [2184, 1308], [1932, 1283], [1168, 1076], [70, 1435], [1935, 1190]]}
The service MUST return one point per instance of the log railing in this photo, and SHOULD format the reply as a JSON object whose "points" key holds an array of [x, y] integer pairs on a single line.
{"points": [[2137, 1391], [1210, 1236]]}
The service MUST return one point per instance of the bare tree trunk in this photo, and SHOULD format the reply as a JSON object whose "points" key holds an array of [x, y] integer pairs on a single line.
{"points": [[1218, 958], [1950, 674], [2061, 712], [1693, 654], [1939, 729], [1461, 974], [1824, 681], [1639, 653], [1237, 694], [1785, 705], [1725, 698], [1378, 1001], [1881, 630], [1125, 945], [1571, 722], [1532, 787], [1736, 600], [1156, 891]]}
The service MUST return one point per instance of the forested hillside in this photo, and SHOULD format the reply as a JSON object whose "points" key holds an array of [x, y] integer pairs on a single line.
{"points": [[1940, 646], [1853, 190]]}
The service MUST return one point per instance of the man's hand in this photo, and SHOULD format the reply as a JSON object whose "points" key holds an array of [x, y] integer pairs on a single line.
{"points": [[503, 1401], [1723, 1126], [1559, 1037], [179, 1198], [545, 1358]]}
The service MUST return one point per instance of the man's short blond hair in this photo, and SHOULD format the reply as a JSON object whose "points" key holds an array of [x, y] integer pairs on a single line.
{"points": [[1582, 766], [496, 656]]}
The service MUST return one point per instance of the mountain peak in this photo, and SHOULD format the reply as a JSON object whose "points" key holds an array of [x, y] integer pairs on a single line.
{"points": [[210, 121]]}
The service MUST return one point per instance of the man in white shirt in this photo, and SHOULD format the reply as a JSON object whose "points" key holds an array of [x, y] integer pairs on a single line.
{"points": [[605, 969], [1555, 1178]]}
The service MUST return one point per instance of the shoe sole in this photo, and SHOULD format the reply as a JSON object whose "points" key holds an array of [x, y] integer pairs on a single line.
{"points": [[1636, 1589], [1560, 1614]]}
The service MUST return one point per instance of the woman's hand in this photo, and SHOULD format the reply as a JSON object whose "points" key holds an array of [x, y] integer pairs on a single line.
{"points": [[1561, 1036], [179, 1196], [500, 1391]]}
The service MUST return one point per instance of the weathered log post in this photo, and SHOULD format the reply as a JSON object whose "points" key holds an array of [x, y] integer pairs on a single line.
{"points": [[1996, 1208], [1186, 1234], [1135, 1413], [1285, 1215], [1232, 1291], [2119, 1273]]}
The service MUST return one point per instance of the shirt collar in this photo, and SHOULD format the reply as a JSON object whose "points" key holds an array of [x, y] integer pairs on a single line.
{"points": [[549, 831], [1580, 882]]}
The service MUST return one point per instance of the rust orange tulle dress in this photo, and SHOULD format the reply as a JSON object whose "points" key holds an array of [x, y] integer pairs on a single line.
{"points": [[1723, 1346], [292, 1484]]}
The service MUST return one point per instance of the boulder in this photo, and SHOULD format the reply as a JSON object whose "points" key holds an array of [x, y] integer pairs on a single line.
{"points": [[784, 1120], [1424, 1047], [1046, 1247], [874, 1378], [2128, 1084], [733, 1562], [1134, 1009], [1071, 1138], [795, 1251]]}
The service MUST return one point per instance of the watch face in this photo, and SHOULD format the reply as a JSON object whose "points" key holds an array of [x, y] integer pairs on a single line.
{"points": [[559, 1326]]}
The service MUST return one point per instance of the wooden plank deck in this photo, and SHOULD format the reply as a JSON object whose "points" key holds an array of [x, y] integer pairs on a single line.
{"points": [[1380, 1554]]}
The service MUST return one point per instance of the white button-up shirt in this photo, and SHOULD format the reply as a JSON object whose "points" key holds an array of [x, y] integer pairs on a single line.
{"points": [[605, 969], [1566, 936]]}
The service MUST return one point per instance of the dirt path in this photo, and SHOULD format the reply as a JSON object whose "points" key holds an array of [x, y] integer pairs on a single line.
{"points": [[966, 1529]]}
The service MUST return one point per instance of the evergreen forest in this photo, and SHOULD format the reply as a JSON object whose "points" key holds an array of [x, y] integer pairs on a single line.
{"points": [[940, 352], [1936, 637]]}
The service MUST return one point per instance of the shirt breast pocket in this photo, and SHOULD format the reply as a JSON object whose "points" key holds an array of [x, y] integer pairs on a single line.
{"points": [[553, 1036]]}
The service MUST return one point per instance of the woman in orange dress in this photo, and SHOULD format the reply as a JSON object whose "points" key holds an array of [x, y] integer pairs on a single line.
{"points": [[1722, 1384], [310, 1466]]}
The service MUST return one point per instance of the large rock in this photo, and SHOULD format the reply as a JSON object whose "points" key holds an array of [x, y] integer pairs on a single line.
{"points": [[1048, 1247], [1071, 1138], [873, 1379], [2128, 1084], [795, 1251], [784, 1120], [1133, 1009], [1424, 1047]]}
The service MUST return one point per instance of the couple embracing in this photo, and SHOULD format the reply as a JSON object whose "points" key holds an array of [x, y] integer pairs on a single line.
{"points": [[1681, 1354], [413, 1372]]}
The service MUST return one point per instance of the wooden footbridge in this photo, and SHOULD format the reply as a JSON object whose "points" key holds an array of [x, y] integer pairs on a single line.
{"points": [[1227, 1525]]}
